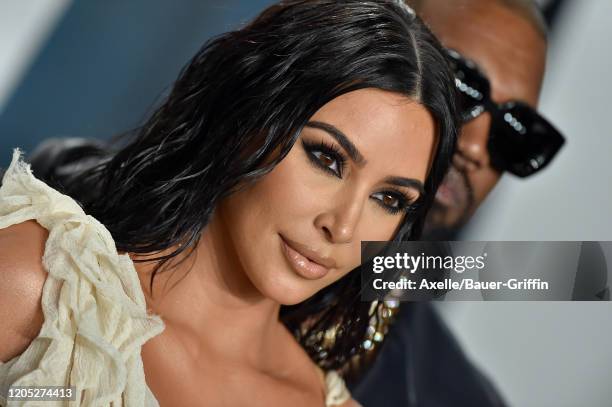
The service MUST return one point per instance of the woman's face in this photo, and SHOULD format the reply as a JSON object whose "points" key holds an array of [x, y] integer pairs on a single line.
{"points": [[362, 158]]}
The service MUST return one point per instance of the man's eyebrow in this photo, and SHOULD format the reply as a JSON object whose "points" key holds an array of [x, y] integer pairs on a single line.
{"points": [[407, 182], [341, 138]]}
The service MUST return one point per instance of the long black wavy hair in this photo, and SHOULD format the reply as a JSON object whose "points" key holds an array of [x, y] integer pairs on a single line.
{"points": [[234, 113]]}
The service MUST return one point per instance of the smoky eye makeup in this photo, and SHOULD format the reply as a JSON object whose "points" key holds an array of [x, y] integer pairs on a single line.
{"points": [[395, 201], [325, 156], [329, 158]]}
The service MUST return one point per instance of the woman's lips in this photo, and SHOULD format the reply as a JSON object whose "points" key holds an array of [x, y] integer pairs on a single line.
{"points": [[301, 264]]}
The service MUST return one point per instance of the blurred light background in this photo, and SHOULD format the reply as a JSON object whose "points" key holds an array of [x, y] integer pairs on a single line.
{"points": [[94, 69], [554, 353]]}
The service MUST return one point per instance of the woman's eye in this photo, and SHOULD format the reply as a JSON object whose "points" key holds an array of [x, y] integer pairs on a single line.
{"points": [[326, 157], [391, 202], [388, 199], [327, 161]]}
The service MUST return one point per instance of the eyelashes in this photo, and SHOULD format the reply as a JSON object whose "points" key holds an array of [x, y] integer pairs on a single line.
{"points": [[329, 158], [329, 152], [402, 204]]}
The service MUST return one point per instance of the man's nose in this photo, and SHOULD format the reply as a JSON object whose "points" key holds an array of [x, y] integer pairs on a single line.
{"points": [[339, 221], [472, 151]]}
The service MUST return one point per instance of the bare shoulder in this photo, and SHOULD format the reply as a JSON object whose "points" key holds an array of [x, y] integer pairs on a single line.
{"points": [[22, 277]]}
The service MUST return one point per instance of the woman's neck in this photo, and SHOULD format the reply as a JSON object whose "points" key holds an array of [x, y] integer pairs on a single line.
{"points": [[209, 301]]}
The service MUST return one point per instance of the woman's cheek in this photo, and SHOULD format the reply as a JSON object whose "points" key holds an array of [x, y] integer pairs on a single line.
{"points": [[377, 225], [294, 188]]}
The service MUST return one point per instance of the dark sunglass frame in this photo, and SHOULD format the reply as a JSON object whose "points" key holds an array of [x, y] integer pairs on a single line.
{"points": [[521, 141]]}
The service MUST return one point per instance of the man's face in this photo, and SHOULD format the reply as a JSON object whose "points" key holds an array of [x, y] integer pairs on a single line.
{"points": [[511, 53]]}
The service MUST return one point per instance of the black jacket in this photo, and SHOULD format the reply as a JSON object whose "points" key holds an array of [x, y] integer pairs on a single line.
{"points": [[420, 364]]}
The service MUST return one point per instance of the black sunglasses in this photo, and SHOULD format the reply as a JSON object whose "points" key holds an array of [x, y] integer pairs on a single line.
{"points": [[521, 141]]}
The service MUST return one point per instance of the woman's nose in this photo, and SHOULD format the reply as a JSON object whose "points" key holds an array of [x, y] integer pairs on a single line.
{"points": [[338, 222]]}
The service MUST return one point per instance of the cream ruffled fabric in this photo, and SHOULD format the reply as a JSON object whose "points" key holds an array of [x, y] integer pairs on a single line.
{"points": [[95, 318], [337, 393]]}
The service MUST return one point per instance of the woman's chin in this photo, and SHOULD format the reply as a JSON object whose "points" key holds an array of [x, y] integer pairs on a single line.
{"points": [[285, 290], [289, 295]]}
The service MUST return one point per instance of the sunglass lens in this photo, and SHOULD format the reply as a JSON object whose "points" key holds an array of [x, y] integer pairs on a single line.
{"points": [[472, 87], [522, 142]]}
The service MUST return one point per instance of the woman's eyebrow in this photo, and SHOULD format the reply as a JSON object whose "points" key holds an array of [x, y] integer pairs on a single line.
{"points": [[358, 158], [406, 182], [341, 138]]}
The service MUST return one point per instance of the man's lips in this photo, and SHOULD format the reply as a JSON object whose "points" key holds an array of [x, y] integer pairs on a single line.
{"points": [[446, 195], [453, 191]]}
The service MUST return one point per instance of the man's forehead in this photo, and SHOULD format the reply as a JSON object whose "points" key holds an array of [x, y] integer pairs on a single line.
{"points": [[505, 45]]}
